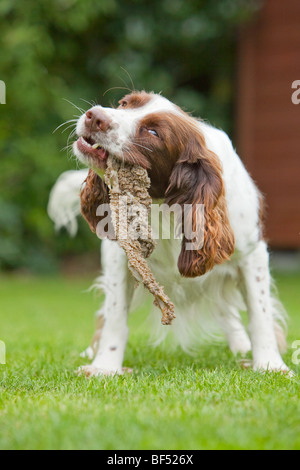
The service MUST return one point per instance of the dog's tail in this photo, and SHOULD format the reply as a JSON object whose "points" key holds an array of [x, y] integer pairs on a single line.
{"points": [[64, 200]]}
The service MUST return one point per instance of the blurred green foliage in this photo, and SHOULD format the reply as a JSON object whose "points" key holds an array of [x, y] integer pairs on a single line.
{"points": [[76, 50]]}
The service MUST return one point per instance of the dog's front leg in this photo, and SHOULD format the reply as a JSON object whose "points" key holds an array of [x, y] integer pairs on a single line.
{"points": [[118, 284]]}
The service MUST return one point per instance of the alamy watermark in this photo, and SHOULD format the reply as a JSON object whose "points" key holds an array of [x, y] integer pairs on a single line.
{"points": [[296, 95], [296, 354], [2, 353], [2, 92], [164, 221]]}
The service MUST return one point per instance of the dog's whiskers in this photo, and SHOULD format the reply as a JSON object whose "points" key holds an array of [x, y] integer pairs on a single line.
{"points": [[72, 125], [81, 110], [143, 146], [130, 78], [67, 147], [64, 123], [117, 88], [131, 155], [91, 103]]}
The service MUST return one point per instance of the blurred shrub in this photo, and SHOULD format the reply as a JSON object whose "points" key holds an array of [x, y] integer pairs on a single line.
{"points": [[76, 49]]}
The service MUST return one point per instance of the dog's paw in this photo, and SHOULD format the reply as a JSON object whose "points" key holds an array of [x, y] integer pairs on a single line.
{"points": [[273, 367], [265, 367], [92, 371]]}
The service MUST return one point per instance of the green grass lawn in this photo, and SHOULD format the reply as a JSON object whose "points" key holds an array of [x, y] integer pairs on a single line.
{"points": [[172, 401]]}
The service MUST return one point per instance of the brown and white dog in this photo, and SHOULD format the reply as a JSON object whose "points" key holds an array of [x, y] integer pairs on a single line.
{"points": [[188, 162]]}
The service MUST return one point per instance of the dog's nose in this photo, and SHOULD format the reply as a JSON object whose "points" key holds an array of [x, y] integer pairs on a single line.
{"points": [[96, 120]]}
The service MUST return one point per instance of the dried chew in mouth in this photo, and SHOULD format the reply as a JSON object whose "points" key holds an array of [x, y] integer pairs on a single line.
{"points": [[128, 191]]}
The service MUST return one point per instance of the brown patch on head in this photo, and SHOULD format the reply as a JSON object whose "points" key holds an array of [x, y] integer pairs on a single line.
{"points": [[159, 141], [135, 100], [181, 167], [157, 145]]}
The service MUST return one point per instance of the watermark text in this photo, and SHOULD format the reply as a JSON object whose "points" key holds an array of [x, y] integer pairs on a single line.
{"points": [[164, 221], [296, 354], [296, 95], [2, 353], [2, 92]]}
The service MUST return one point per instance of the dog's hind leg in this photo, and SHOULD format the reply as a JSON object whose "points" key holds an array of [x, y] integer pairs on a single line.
{"points": [[262, 317]]}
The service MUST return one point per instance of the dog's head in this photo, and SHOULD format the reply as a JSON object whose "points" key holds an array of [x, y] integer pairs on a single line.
{"points": [[148, 130], [144, 129]]}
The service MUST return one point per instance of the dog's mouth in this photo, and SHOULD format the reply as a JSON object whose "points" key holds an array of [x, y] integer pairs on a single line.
{"points": [[88, 146]]}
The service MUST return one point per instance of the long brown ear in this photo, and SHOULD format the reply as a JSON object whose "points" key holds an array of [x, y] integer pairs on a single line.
{"points": [[94, 193], [197, 179]]}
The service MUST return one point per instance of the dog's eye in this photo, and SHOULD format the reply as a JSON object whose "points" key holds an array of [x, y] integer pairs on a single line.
{"points": [[123, 104], [153, 132], [143, 130]]}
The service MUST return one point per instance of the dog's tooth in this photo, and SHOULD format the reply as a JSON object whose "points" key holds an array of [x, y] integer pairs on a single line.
{"points": [[96, 146]]}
